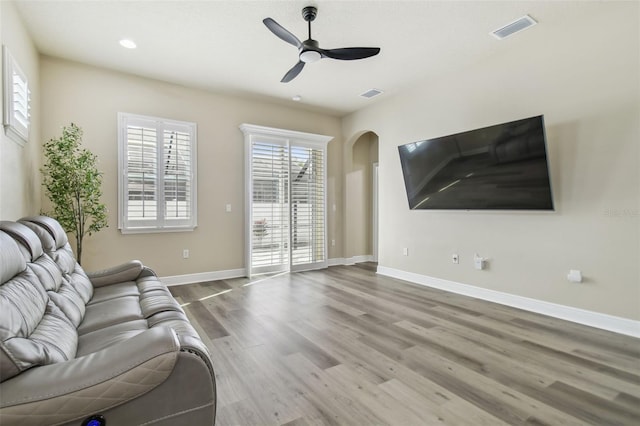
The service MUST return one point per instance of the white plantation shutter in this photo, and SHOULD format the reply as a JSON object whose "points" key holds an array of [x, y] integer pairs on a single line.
{"points": [[286, 200], [176, 173], [21, 99], [157, 174], [17, 100], [141, 174]]}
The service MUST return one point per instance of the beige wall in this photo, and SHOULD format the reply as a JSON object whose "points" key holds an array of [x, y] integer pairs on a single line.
{"points": [[20, 183], [92, 97], [586, 83]]}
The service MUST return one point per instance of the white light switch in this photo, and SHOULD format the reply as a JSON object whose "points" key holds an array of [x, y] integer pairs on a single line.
{"points": [[228, 208]]}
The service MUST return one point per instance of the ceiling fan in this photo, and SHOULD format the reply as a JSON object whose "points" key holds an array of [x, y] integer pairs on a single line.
{"points": [[309, 50]]}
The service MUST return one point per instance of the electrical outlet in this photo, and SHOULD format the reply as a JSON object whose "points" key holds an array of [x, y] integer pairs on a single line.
{"points": [[333, 243], [185, 253], [405, 251], [228, 208], [455, 259], [479, 262]]}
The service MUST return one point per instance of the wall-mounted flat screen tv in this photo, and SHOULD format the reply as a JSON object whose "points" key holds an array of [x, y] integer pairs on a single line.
{"points": [[502, 167]]}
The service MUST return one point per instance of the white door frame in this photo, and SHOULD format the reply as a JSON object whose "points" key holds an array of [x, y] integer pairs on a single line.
{"points": [[374, 218]]}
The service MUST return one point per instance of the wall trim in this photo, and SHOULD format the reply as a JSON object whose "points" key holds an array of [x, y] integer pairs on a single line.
{"points": [[358, 259], [581, 316], [203, 276], [336, 261], [239, 273]]}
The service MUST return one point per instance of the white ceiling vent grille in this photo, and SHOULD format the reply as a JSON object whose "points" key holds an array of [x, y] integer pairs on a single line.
{"points": [[371, 93], [516, 26]]}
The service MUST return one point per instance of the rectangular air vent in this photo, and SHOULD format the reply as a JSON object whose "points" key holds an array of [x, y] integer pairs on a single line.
{"points": [[516, 26], [371, 93]]}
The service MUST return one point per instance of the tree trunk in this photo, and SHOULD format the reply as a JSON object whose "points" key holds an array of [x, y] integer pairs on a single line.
{"points": [[79, 250]]}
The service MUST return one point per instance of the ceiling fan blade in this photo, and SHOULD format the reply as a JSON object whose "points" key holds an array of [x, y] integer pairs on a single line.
{"points": [[281, 32], [293, 72], [350, 53]]}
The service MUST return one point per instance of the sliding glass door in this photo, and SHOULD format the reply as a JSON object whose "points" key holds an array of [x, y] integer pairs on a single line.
{"points": [[286, 200]]}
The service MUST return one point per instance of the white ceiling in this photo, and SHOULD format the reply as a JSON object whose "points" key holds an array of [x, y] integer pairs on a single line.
{"points": [[223, 46]]}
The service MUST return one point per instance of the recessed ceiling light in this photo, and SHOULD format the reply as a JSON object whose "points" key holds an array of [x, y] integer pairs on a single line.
{"points": [[297, 98], [129, 44]]}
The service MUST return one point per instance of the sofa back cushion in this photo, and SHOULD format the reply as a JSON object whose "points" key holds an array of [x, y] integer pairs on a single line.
{"points": [[60, 291], [33, 330], [56, 245]]}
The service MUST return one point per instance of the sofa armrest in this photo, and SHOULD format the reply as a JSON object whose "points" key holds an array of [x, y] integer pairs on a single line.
{"points": [[129, 271], [90, 384]]}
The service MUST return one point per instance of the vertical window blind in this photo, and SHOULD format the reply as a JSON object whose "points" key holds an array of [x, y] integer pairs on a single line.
{"points": [[157, 176]]}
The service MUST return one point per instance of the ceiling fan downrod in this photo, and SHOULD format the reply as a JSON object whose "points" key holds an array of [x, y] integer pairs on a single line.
{"points": [[309, 13]]}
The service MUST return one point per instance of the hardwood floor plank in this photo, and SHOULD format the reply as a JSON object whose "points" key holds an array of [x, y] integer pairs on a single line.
{"points": [[589, 407], [368, 394], [346, 346], [324, 390], [207, 321]]}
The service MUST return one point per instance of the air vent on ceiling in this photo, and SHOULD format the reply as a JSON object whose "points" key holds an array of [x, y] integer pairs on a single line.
{"points": [[518, 25], [371, 93]]}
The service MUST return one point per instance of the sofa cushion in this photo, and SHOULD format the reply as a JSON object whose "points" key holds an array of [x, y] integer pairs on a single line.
{"points": [[103, 338], [49, 274], [110, 312], [33, 330], [25, 237], [56, 245], [114, 291]]}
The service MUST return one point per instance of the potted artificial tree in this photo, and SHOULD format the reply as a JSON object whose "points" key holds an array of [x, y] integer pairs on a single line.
{"points": [[73, 184]]}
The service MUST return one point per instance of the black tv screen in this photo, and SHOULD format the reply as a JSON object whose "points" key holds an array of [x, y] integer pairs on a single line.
{"points": [[502, 167]]}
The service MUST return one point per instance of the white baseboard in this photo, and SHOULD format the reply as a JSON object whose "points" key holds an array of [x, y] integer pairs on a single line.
{"points": [[362, 258], [237, 273], [336, 261], [203, 276], [580, 316]]}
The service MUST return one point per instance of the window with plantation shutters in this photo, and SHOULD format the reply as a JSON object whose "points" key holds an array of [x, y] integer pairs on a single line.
{"points": [[157, 161], [286, 200], [17, 100]]}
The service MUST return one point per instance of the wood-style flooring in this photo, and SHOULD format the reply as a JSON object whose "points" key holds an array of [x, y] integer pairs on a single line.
{"points": [[344, 346]]}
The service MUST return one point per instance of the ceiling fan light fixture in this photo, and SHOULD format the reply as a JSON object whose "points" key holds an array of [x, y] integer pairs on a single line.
{"points": [[309, 56]]}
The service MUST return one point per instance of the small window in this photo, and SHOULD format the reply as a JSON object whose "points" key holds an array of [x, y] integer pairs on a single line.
{"points": [[157, 174], [17, 100]]}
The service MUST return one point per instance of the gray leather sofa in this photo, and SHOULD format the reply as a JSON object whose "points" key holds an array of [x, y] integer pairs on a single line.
{"points": [[77, 346]]}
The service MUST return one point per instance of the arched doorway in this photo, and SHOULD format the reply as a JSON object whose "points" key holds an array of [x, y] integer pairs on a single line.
{"points": [[361, 198]]}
